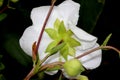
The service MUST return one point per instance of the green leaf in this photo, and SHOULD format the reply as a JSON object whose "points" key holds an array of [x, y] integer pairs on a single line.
{"points": [[1, 57], [57, 48], [71, 51], [61, 29], [64, 52], [119, 54], [60, 77], [54, 68], [2, 77], [14, 50], [90, 11], [72, 42], [51, 45], [69, 33], [106, 40], [56, 24], [41, 75], [1, 2], [1, 66], [52, 33], [63, 35], [2, 16]]}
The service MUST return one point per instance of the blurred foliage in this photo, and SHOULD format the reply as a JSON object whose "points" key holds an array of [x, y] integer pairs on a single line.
{"points": [[1, 64], [89, 13], [1, 2], [2, 67], [2, 16], [13, 48]]}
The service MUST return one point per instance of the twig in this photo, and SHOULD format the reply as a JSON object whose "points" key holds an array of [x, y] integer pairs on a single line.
{"points": [[78, 57], [97, 48], [2, 10], [45, 22], [31, 73]]}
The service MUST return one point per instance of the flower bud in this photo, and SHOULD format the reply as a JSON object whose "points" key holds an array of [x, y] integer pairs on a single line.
{"points": [[82, 77], [73, 67]]}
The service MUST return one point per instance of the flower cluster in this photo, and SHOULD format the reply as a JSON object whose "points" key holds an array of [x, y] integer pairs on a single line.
{"points": [[67, 12]]}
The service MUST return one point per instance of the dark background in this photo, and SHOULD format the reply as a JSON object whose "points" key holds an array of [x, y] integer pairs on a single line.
{"points": [[108, 22]]}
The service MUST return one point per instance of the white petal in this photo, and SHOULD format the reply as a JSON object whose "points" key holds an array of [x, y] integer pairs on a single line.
{"points": [[67, 11], [39, 14], [51, 72], [91, 60], [70, 11], [87, 41], [28, 38], [51, 59]]}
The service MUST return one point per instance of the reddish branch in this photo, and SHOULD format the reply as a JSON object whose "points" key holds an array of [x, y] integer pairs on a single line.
{"points": [[78, 57], [2, 10], [31, 73], [45, 22]]}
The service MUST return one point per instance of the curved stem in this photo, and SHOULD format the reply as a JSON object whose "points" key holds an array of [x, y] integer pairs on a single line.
{"points": [[2, 10], [97, 48], [44, 59], [50, 65], [45, 22], [30, 74], [80, 56]]}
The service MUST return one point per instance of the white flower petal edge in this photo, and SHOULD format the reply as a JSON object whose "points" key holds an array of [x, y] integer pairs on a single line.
{"points": [[68, 11], [87, 41], [92, 60]]}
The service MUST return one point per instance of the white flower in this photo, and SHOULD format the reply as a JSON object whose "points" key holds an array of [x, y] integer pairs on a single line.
{"points": [[68, 11]]}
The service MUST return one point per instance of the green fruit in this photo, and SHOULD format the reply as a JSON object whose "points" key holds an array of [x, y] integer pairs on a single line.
{"points": [[82, 77], [73, 67]]}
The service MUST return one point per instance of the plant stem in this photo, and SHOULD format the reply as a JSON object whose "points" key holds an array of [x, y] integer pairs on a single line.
{"points": [[2, 10], [97, 48], [78, 57], [45, 22], [51, 65], [44, 59], [31, 73]]}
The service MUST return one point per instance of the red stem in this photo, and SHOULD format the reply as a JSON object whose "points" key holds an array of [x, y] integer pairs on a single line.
{"points": [[31, 73], [97, 48], [6, 7], [41, 34], [80, 56]]}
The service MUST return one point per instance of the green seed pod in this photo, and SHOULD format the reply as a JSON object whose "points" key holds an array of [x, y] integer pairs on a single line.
{"points": [[73, 67], [82, 77]]}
